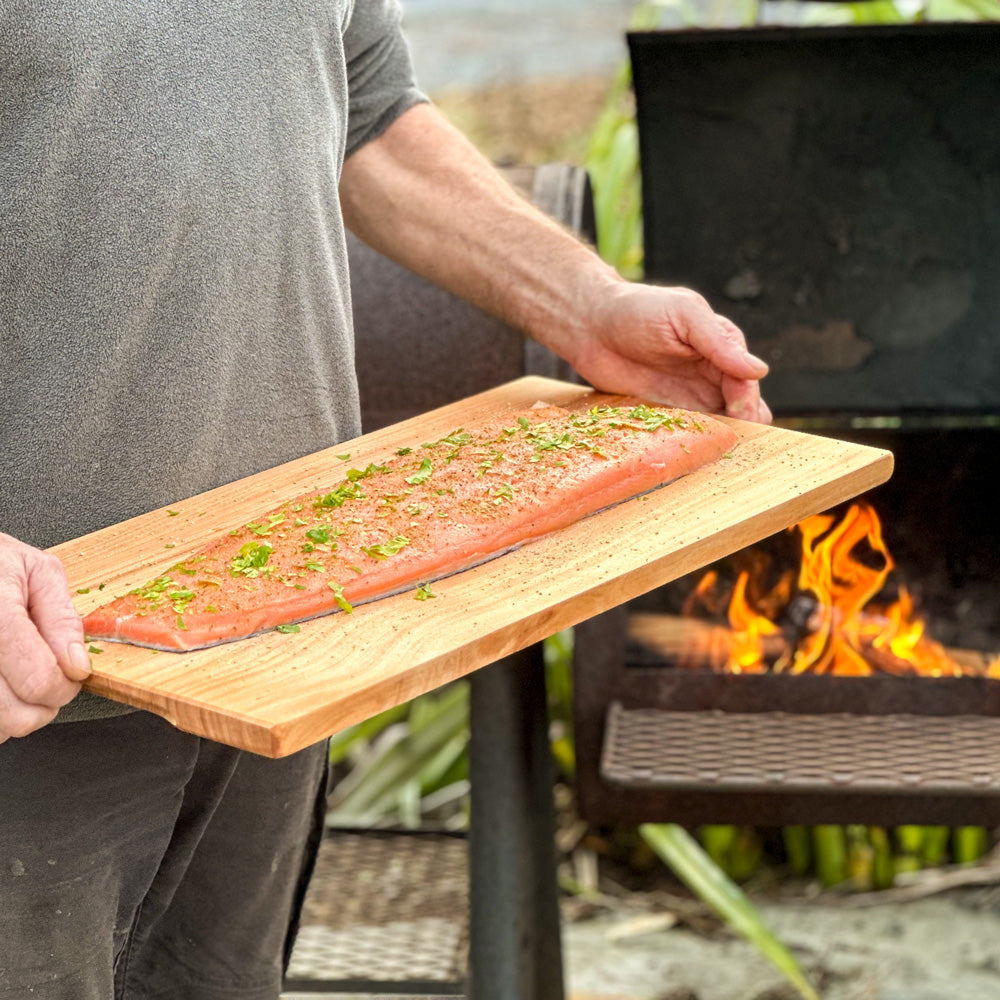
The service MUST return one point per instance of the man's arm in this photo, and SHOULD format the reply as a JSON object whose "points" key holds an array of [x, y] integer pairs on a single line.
{"points": [[42, 657], [421, 194]]}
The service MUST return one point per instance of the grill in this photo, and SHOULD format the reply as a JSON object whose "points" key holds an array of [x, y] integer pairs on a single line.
{"points": [[384, 912], [834, 191]]}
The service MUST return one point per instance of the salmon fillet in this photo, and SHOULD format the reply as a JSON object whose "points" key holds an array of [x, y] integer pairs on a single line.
{"points": [[424, 513]]}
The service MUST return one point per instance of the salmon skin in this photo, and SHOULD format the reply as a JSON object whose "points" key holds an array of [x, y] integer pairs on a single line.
{"points": [[420, 515]]}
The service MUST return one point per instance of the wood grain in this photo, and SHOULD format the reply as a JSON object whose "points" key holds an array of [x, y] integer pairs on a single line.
{"points": [[276, 693]]}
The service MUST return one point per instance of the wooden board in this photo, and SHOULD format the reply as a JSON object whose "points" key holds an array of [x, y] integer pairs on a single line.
{"points": [[276, 693]]}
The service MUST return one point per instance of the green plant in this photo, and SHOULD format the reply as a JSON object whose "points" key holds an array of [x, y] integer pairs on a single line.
{"points": [[705, 879], [407, 765]]}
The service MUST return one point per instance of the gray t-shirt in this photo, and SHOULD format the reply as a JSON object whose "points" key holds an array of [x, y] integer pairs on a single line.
{"points": [[174, 301]]}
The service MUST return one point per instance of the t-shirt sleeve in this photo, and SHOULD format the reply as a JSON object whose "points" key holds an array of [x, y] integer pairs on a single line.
{"points": [[380, 78]]}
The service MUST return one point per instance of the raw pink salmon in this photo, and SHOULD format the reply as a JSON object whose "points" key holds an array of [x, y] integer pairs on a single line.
{"points": [[421, 514]]}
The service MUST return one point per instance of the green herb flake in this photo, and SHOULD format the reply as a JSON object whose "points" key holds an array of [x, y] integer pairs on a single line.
{"points": [[390, 548], [339, 496], [423, 592], [338, 596], [83, 590], [422, 474], [505, 491], [346, 457], [172, 513], [321, 535], [286, 629], [369, 470], [94, 649], [403, 451], [252, 559]]}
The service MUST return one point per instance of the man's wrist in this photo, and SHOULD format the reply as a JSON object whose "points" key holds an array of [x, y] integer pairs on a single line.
{"points": [[589, 287]]}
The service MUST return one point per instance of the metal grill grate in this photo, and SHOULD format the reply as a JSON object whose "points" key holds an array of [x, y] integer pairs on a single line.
{"points": [[385, 908], [764, 752]]}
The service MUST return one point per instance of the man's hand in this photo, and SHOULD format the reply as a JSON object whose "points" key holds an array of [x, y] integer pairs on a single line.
{"points": [[42, 656], [667, 345]]}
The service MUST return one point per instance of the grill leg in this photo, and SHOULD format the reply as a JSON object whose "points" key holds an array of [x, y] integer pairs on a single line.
{"points": [[515, 950]]}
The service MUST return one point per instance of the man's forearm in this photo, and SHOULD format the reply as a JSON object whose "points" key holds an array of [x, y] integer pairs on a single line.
{"points": [[424, 196]]}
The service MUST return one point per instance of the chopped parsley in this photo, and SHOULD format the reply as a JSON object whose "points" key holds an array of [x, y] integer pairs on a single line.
{"points": [[369, 470], [422, 474], [338, 596], [390, 548], [251, 560], [339, 496]]}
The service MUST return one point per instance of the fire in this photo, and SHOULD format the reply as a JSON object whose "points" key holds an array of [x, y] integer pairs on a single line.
{"points": [[844, 567]]}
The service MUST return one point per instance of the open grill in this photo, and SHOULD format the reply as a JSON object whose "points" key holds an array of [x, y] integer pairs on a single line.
{"points": [[829, 187]]}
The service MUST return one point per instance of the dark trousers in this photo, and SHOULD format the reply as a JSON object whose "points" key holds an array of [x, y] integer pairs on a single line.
{"points": [[137, 861]]}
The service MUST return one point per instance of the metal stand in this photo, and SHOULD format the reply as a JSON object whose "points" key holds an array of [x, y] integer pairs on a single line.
{"points": [[516, 951]]}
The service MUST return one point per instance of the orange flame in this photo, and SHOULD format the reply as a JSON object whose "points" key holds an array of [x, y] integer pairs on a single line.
{"points": [[844, 566]]}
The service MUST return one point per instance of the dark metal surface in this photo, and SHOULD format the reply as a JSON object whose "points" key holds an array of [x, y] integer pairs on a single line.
{"points": [[514, 914], [778, 751], [836, 192], [385, 912], [681, 690], [813, 721]]}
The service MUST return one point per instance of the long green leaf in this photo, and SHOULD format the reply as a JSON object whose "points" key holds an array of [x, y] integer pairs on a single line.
{"points": [[349, 741], [830, 853], [443, 719], [678, 849]]}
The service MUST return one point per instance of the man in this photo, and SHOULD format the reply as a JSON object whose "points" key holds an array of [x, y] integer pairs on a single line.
{"points": [[174, 181]]}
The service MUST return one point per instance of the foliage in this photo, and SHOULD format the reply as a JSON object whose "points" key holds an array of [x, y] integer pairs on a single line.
{"points": [[707, 881], [408, 766]]}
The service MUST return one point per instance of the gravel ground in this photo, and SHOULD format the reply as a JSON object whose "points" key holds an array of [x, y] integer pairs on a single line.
{"points": [[944, 947]]}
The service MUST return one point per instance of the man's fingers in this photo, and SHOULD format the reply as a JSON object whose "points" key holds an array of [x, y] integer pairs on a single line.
{"points": [[743, 400], [29, 667], [18, 718], [52, 612], [42, 657], [721, 341]]}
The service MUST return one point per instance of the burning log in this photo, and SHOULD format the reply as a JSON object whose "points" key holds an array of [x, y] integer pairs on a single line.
{"points": [[825, 622], [696, 644]]}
